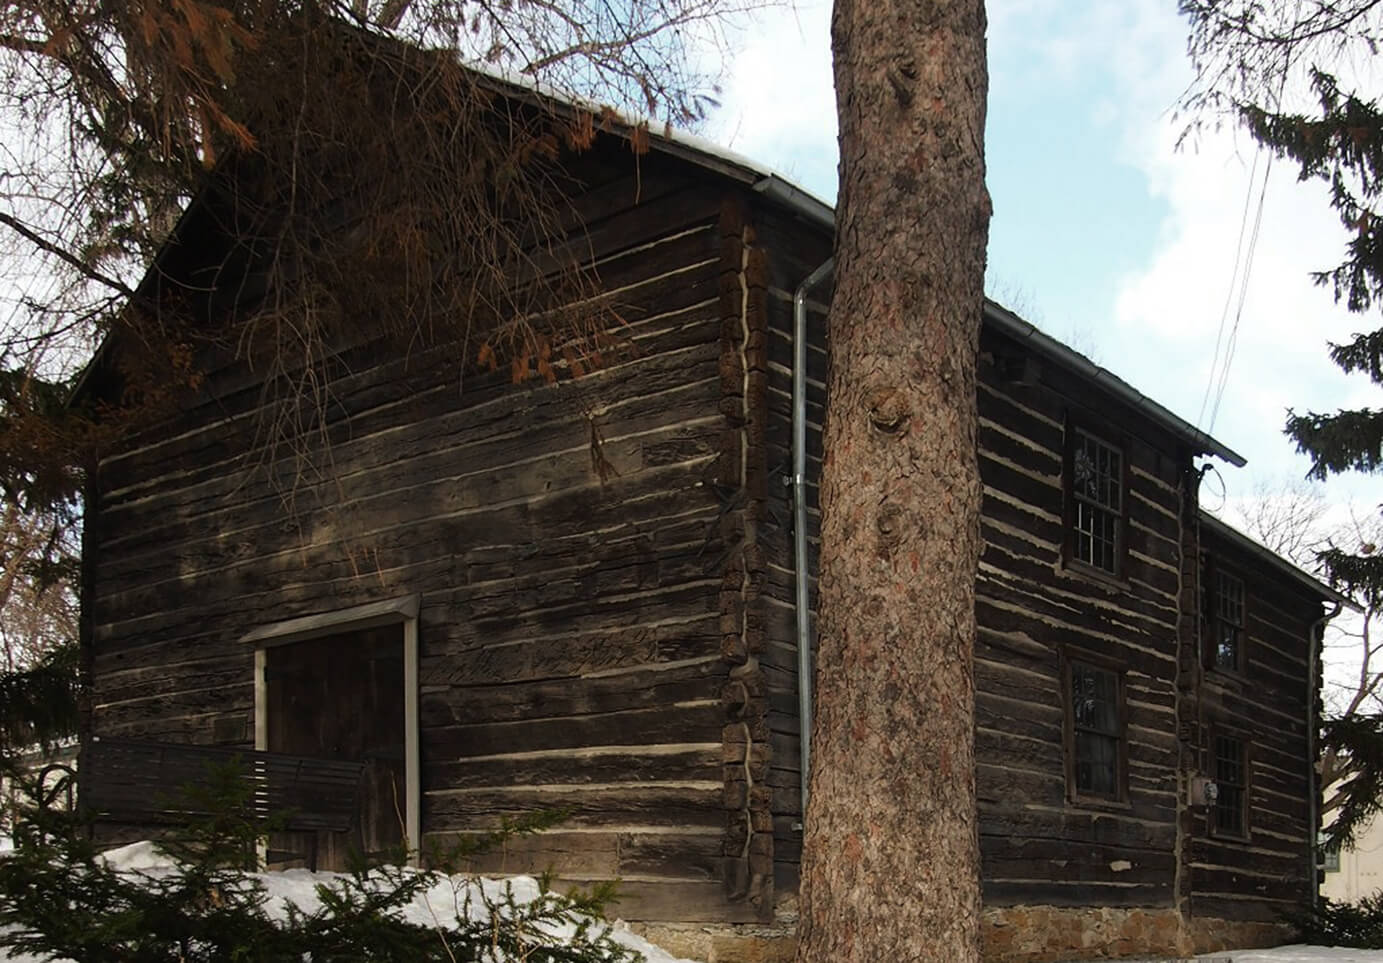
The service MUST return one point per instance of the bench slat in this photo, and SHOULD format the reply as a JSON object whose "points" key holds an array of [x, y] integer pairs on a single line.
{"points": [[137, 781]]}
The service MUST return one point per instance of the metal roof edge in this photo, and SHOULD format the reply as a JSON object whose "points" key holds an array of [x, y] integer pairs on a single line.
{"points": [[1044, 344], [1283, 565], [782, 190], [804, 203]]}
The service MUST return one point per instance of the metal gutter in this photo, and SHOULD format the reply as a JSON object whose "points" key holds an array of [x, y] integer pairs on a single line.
{"points": [[801, 574], [790, 195], [1315, 636]]}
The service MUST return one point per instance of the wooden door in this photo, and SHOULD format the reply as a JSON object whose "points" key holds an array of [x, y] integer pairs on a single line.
{"points": [[341, 697]]}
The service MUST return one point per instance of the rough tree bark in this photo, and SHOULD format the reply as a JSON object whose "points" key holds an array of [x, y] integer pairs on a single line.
{"points": [[891, 864]]}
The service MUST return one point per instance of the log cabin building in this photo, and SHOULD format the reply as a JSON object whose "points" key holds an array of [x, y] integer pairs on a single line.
{"points": [[584, 595]]}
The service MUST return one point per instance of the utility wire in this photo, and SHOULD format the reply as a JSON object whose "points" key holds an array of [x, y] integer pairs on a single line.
{"points": [[1233, 341], [1229, 294], [1246, 256]]}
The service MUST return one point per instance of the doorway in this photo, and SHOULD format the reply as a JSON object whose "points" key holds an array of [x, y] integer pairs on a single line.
{"points": [[344, 686]]}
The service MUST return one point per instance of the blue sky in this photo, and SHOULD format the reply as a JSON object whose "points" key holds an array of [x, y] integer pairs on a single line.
{"points": [[1103, 234]]}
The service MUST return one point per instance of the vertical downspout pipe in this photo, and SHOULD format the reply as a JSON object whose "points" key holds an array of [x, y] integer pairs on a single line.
{"points": [[799, 516], [1313, 641]]}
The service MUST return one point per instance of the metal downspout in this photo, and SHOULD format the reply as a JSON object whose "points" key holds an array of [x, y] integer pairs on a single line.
{"points": [[799, 516], [1313, 640]]}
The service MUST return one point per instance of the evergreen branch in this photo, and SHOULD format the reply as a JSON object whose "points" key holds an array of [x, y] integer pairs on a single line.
{"points": [[39, 704], [1359, 740], [1348, 440]]}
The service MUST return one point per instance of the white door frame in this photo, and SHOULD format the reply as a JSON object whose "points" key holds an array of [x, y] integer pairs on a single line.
{"points": [[398, 611]]}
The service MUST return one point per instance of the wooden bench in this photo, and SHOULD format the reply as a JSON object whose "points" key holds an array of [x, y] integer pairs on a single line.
{"points": [[128, 781]]}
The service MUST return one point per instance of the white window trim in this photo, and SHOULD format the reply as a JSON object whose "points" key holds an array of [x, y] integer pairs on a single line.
{"points": [[402, 610]]}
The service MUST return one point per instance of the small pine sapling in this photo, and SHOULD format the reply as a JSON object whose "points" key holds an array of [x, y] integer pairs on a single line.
{"points": [[60, 898]]}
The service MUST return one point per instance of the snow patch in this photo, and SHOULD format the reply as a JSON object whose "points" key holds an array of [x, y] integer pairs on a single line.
{"points": [[442, 903], [1299, 954]]}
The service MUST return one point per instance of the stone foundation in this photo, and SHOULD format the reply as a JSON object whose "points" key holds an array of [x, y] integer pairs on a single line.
{"points": [[1043, 934], [1039, 934], [1211, 935], [1010, 934], [713, 943]]}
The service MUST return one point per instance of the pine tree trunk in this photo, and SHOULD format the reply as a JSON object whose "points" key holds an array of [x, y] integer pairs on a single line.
{"points": [[891, 863]]}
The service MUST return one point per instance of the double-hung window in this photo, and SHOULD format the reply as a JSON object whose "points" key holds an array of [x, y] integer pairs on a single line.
{"points": [[1096, 752], [1227, 623], [1095, 509], [1229, 762]]}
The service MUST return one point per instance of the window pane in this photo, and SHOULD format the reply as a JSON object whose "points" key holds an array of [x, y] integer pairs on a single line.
{"points": [[1228, 624], [1229, 597], [1096, 480], [1097, 730], [1095, 699], [1229, 760], [1227, 647], [1097, 764], [1098, 472], [1229, 779], [1229, 810]]}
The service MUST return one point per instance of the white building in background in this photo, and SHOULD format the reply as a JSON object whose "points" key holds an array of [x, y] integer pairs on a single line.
{"points": [[1352, 874]]}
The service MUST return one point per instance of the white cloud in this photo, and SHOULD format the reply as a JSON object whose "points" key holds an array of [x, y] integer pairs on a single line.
{"points": [[1174, 305], [1120, 68], [779, 100]]}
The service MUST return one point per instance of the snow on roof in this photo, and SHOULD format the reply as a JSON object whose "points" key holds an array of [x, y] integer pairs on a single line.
{"points": [[672, 140]]}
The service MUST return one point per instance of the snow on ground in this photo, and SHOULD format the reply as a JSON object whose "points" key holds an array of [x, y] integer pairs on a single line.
{"points": [[1298, 954], [438, 904], [441, 903]]}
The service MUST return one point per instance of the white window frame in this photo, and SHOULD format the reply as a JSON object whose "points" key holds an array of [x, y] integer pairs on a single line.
{"points": [[398, 611]]}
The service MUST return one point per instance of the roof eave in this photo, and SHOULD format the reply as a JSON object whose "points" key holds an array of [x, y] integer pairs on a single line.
{"points": [[1043, 344], [1285, 567]]}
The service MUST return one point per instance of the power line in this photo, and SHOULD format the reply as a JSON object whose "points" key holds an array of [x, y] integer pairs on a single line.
{"points": [[1243, 293], [1245, 255], [1229, 294]]}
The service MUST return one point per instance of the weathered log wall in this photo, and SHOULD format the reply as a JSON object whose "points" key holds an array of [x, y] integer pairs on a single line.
{"points": [[1037, 847], [1267, 874], [607, 580], [572, 545], [795, 251], [1040, 845]]}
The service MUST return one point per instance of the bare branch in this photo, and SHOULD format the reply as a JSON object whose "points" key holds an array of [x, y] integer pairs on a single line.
{"points": [[44, 244]]}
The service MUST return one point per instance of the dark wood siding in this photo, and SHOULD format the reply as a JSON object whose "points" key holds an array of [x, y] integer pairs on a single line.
{"points": [[795, 250], [606, 575], [1267, 873], [1039, 844], [565, 540]]}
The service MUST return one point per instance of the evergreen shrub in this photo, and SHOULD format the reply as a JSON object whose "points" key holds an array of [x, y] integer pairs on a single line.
{"points": [[61, 899], [1337, 923]]}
